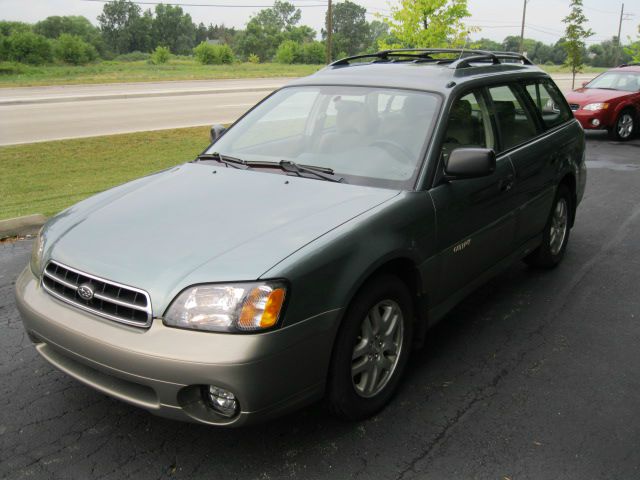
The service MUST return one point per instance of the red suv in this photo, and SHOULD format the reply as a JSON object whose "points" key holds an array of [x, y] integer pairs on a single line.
{"points": [[610, 101]]}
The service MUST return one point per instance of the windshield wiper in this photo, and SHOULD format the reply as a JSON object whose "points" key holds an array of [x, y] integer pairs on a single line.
{"points": [[320, 172], [227, 160]]}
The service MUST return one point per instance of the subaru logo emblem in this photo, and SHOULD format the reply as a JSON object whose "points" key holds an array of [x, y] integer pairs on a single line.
{"points": [[85, 291]]}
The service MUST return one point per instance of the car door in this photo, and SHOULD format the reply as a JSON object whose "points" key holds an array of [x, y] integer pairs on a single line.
{"points": [[475, 217], [536, 160], [531, 159]]}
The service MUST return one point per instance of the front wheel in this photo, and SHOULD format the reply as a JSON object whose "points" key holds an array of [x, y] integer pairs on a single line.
{"points": [[625, 126], [371, 350], [556, 233]]}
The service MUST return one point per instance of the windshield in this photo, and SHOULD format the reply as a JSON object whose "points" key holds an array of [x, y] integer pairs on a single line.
{"points": [[369, 136], [625, 81]]}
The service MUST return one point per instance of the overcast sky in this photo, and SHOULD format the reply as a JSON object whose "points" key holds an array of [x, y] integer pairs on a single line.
{"points": [[498, 18]]}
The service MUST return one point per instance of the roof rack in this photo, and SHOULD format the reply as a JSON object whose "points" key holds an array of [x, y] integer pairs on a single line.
{"points": [[632, 64], [462, 59]]}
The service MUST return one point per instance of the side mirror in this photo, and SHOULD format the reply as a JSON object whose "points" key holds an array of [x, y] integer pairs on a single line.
{"points": [[216, 132], [584, 84], [470, 163]]}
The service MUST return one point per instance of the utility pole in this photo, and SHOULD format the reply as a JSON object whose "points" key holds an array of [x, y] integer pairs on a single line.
{"points": [[615, 62], [329, 31], [524, 14]]}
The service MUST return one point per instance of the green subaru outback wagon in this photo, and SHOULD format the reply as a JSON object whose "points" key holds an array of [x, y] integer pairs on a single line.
{"points": [[306, 252]]}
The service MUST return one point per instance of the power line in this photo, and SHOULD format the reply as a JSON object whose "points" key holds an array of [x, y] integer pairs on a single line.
{"points": [[214, 5]]}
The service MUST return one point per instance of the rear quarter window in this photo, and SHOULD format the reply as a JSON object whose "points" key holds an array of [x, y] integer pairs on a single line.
{"points": [[515, 121], [549, 103]]}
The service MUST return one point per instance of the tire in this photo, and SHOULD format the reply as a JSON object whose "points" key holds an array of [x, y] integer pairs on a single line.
{"points": [[354, 395], [556, 232], [625, 126]]}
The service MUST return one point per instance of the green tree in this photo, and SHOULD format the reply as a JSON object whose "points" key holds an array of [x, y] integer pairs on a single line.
{"points": [[487, 44], [429, 23], [124, 27], [267, 30], [378, 32], [633, 49], [223, 33], [313, 53], [284, 14], [174, 29], [575, 35], [541, 53], [54, 26], [603, 54], [512, 44], [289, 52], [7, 28], [28, 47], [74, 50], [202, 33], [160, 56], [301, 34], [559, 53], [208, 54], [350, 28]]}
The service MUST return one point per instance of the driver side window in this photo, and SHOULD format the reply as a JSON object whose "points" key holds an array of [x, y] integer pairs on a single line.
{"points": [[469, 124]]}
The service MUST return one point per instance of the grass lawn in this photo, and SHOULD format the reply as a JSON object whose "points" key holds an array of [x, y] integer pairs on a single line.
{"points": [[14, 75], [48, 177], [17, 75], [563, 69]]}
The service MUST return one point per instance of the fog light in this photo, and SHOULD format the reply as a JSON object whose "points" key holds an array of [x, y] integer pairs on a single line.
{"points": [[222, 401], [595, 122]]}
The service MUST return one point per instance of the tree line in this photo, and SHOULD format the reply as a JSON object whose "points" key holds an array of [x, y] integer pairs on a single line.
{"points": [[127, 32]]}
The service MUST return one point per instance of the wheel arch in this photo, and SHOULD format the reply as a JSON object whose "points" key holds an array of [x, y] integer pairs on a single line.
{"points": [[569, 180], [406, 269]]}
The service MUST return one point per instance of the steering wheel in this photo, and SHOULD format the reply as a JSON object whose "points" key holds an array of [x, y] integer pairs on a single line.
{"points": [[393, 147]]}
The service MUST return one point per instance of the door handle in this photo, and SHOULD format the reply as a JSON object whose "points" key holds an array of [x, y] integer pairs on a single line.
{"points": [[506, 183]]}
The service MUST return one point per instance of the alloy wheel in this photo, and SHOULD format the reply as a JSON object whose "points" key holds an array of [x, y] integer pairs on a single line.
{"points": [[625, 125], [377, 349], [559, 225]]}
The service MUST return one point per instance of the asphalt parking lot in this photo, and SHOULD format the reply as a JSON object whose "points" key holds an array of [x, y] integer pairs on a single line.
{"points": [[534, 376]]}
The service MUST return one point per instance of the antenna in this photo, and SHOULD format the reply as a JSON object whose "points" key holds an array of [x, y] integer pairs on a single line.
{"points": [[466, 39]]}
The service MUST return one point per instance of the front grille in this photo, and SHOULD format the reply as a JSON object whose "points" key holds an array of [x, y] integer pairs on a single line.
{"points": [[108, 299], [574, 106]]}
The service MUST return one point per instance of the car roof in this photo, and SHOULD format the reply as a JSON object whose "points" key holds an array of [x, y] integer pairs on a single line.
{"points": [[395, 70], [631, 67]]}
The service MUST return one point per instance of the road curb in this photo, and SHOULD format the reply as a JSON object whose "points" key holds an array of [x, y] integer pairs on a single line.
{"points": [[114, 96], [27, 225]]}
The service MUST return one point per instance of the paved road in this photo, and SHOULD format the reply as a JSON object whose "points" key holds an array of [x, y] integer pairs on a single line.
{"points": [[61, 93], [36, 114], [51, 113], [534, 376]]}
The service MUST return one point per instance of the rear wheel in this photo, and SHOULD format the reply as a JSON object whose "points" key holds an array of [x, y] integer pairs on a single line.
{"points": [[625, 126], [556, 233], [371, 350]]}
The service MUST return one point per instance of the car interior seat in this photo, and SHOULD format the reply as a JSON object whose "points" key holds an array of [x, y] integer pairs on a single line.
{"points": [[352, 123], [514, 131]]}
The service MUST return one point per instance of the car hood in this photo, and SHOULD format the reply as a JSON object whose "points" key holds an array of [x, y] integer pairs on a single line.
{"points": [[584, 96], [198, 223]]}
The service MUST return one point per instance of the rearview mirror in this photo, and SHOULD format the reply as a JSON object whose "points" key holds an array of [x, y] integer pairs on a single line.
{"points": [[470, 163], [216, 132]]}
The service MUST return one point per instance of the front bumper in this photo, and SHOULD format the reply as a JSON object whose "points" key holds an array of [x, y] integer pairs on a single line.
{"points": [[161, 369], [594, 119]]}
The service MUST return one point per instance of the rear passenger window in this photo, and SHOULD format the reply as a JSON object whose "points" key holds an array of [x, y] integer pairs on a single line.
{"points": [[514, 120], [469, 124], [549, 102]]}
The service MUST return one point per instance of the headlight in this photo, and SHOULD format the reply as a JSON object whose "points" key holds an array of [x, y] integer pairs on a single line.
{"points": [[245, 307], [36, 254], [596, 106]]}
